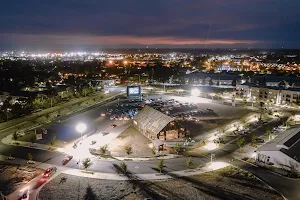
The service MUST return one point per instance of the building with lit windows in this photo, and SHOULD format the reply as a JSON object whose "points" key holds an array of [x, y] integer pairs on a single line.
{"points": [[272, 94]]}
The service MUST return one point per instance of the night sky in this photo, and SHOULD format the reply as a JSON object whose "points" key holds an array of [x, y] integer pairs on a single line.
{"points": [[97, 24]]}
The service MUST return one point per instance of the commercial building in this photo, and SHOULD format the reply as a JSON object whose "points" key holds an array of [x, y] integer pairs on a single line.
{"points": [[282, 151], [214, 78], [272, 94]]}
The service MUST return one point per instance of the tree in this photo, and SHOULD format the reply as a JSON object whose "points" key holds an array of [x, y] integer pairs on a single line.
{"points": [[29, 156], [128, 149], [189, 162], [177, 147], [285, 123], [103, 149], [48, 85], [254, 137], [241, 142], [153, 150], [40, 101], [15, 135], [268, 129], [53, 140], [233, 83], [123, 167], [71, 80], [86, 163], [245, 100], [160, 165]]}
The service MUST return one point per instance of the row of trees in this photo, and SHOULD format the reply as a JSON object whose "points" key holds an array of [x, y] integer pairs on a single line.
{"points": [[10, 110]]}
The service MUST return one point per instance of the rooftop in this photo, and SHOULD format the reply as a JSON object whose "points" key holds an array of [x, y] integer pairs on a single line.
{"points": [[151, 121], [287, 142], [271, 87]]}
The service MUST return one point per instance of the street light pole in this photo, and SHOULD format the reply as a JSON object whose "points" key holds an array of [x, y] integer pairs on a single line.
{"points": [[211, 157], [81, 128]]}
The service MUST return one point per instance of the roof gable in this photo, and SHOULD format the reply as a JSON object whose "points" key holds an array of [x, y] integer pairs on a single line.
{"points": [[151, 120]]}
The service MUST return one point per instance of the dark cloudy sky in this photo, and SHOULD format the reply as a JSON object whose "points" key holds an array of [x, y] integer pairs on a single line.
{"points": [[76, 24]]}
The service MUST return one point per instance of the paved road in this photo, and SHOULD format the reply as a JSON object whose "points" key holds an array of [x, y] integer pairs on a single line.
{"points": [[289, 188]]}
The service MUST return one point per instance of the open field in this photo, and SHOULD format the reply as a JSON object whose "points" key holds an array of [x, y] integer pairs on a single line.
{"points": [[13, 177], [227, 183]]}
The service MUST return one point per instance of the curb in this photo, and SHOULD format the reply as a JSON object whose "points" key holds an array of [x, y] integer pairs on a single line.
{"points": [[114, 176], [262, 180], [294, 179]]}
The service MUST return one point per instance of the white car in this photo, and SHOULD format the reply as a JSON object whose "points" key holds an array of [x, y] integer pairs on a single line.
{"points": [[10, 158], [30, 162]]}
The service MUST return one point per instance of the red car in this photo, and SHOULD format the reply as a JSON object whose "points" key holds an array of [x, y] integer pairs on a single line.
{"points": [[66, 159], [49, 172], [113, 126], [25, 196]]}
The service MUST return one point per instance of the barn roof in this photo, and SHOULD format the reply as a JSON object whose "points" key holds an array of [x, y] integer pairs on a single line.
{"points": [[151, 121]]}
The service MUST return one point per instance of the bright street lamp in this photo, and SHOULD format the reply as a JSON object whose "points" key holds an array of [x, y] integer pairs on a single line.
{"points": [[81, 128], [195, 92]]}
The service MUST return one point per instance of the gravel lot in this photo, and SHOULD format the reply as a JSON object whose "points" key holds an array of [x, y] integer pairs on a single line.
{"points": [[227, 183], [13, 176]]}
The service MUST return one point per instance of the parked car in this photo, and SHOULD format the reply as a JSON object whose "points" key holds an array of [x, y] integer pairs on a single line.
{"points": [[219, 141], [259, 140], [49, 172], [30, 162], [105, 133], [10, 158], [93, 142]]}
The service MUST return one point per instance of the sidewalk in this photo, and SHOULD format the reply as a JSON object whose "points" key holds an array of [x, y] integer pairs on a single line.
{"points": [[150, 158], [115, 176]]}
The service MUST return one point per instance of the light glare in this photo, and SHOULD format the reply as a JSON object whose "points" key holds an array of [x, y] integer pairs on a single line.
{"points": [[195, 92], [81, 127]]}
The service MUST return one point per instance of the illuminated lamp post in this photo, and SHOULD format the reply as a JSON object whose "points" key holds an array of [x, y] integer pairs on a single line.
{"points": [[81, 128]]}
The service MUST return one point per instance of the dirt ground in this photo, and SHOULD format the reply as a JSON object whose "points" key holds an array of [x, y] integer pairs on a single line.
{"points": [[227, 183], [13, 176], [138, 142]]}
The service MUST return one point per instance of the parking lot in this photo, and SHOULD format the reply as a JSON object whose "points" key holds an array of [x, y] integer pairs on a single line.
{"points": [[105, 123]]}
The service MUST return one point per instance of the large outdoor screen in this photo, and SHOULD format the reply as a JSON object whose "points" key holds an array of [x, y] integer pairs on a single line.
{"points": [[133, 91]]}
